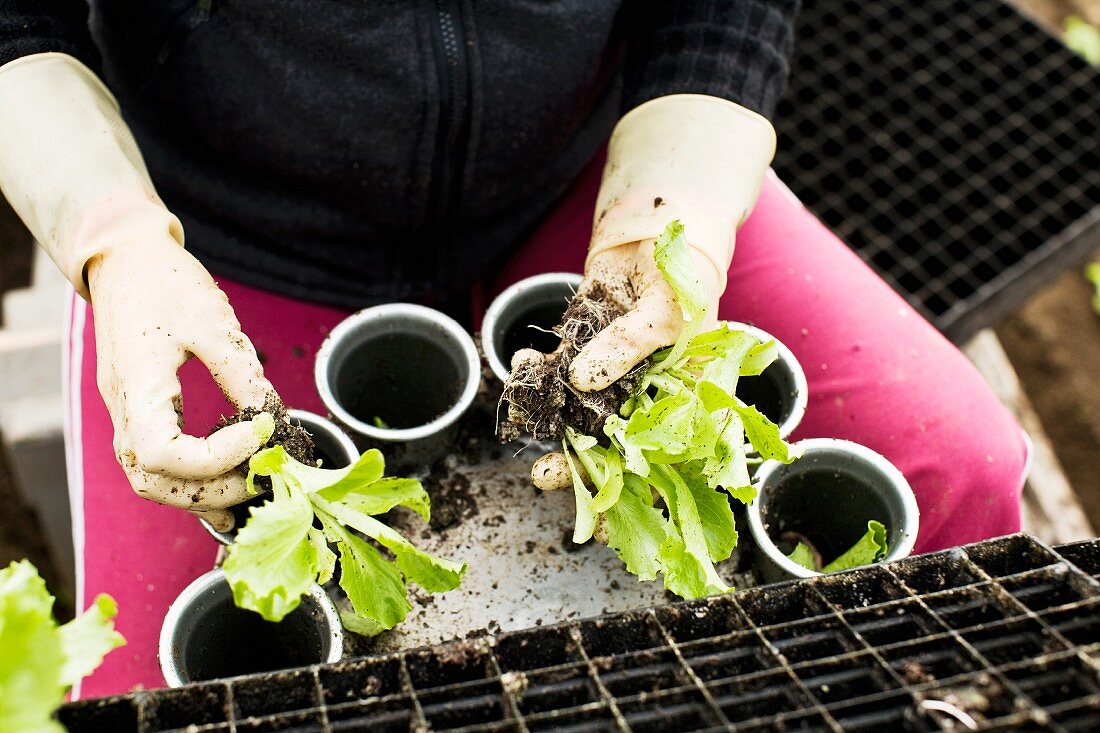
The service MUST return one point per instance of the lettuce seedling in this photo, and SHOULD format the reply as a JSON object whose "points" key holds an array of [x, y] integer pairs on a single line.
{"points": [[39, 659], [279, 553], [870, 548], [681, 437]]}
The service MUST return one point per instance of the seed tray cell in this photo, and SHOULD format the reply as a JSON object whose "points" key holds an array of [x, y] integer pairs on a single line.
{"points": [[361, 679], [757, 696], [966, 608], [951, 143], [620, 634], [783, 603], [737, 655], [892, 623], [1020, 624], [1078, 623], [276, 693], [1085, 555], [665, 711], [1051, 588], [1003, 643], [536, 649], [556, 689], [1054, 680], [860, 588], [938, 571], [814, 639], [700, 619], [481, 702], [846, 678], [192, 705], [1010, 555]]}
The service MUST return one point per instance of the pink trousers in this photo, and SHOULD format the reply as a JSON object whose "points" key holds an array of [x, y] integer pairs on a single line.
{"points": [[878, 374]]}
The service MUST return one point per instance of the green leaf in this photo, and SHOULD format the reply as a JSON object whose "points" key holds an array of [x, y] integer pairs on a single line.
{"points": [[278, 554], [38, 658], [326, 558], [636, 529], [715, 514], [87, 638], [610, 485], [674, 261], [364, 472], [433, 574], [1092, 274], [585, 524], [804, 556], [1082, 38], [869, 549], [759, 358], [272, 562], [727, 467], [373, 584], [685, 555], [763, 434], [386, 493]]}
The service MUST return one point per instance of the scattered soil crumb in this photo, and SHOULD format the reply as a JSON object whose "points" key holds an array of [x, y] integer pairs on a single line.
{"points": [[538, 397], [514, 683], [915, 674]]}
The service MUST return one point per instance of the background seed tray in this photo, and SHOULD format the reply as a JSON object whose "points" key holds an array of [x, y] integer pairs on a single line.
{"points": [[953, 144], [1004, 632]]}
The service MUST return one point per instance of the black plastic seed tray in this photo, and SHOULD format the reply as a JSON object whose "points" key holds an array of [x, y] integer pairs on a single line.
{"points": [[1000, 635], [953, 144]]}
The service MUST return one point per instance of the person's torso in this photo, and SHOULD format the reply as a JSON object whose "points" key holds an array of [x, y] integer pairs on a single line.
{"points": [[349, 150]]}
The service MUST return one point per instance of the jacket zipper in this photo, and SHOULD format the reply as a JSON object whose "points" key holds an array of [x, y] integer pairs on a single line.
{"points": [[454, 114]]}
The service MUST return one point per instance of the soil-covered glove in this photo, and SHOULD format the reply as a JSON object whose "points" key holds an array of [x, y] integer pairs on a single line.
{"points": [[71, 169], [690, 157]]}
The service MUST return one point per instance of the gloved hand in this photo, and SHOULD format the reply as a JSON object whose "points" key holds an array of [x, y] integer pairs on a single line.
{"points": [[71, 169], [690, 157]]}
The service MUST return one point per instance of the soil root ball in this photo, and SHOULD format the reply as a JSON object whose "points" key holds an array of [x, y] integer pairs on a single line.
{"points": [[293, 438], [538, 397]]}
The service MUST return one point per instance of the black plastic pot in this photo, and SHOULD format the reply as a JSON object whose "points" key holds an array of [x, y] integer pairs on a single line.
{"points": [[401, 375], [205, 636], [828, 495]]}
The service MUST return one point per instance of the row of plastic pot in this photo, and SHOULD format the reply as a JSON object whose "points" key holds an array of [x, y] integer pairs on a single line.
{"points": [[402, 375]]}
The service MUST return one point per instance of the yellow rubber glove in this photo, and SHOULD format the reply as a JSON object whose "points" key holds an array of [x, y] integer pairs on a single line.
{"points": [[72, 171], [691, 157]]}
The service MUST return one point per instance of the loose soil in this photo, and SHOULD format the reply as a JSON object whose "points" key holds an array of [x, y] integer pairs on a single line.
{"points": [[294, 439], [538, 397]]}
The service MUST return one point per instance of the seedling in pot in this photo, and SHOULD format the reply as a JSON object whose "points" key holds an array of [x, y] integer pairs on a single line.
{"points": [[839, 506], [279, 553], [673, 428], [40, 659], [870, 548]]}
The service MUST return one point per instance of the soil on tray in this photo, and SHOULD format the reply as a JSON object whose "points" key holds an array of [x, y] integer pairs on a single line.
{"points": [[538, 397], [294, 439]]}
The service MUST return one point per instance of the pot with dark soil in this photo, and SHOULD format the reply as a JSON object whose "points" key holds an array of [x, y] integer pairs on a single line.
{"points": [[524, 316], [331, 448], [839, 505], [780, 391], [400, 376], [206, 637]]}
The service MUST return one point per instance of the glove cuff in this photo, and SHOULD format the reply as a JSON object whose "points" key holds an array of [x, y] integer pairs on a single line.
{"points": [[691, 157], [69, 164]]}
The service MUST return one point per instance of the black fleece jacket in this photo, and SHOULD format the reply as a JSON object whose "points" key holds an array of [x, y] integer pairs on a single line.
{"points": [[354, 151]]}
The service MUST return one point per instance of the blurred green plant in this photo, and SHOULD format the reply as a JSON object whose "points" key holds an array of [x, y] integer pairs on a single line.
{"points": [[1092, 274], [1082, 38]]}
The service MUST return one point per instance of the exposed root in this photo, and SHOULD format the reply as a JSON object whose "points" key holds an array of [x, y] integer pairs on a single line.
{"points": [[539, 399]]}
